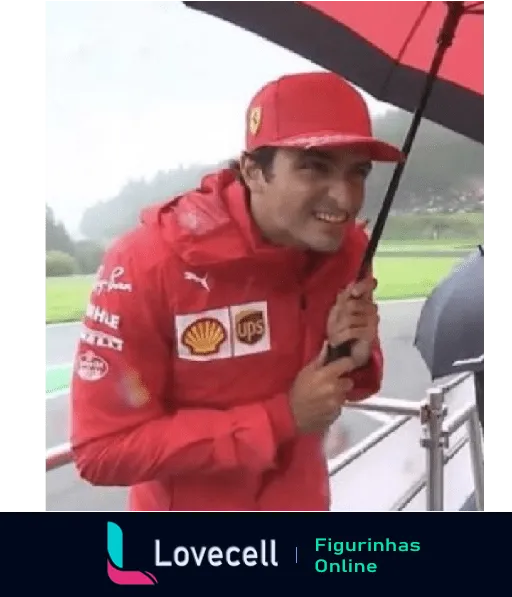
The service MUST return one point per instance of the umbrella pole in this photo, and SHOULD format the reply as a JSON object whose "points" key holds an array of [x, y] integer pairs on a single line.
{"points": [[444, 41]]}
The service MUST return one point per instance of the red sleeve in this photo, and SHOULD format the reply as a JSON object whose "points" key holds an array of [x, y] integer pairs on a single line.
{"points": [[368, 379], [125, 429]]}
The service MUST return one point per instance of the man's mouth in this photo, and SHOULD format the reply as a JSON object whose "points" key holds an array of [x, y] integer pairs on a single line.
{"points": [[331, 218]]}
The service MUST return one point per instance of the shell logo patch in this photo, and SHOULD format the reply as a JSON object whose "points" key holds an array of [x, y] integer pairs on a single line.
{"points": [[204, 336], [255, 120], [249, 326]]}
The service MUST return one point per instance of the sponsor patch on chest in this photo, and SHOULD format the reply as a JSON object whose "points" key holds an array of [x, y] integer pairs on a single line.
{"points": [[223, 333]]}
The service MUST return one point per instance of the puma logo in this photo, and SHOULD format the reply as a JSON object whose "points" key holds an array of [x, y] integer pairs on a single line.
{"points": [[198, 280]]}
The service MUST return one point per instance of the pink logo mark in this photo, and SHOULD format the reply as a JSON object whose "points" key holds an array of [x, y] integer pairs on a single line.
{"points": [[115, 561]]}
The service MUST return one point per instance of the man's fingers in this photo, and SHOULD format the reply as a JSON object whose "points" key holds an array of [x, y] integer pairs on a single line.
{"points": [[364, 287], [335, 388], [364, 318], [342, 331], [354, 320], [353, 333], [361, 305], [345, 384], [339, 367], [328, 419]]}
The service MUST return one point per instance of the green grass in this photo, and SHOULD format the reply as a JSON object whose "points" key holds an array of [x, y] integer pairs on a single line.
{"points": [[57, 378], [66, 298], [444, 243], [410, 277], [428, 245], [457, 228], [404, 277], [404, 248]]}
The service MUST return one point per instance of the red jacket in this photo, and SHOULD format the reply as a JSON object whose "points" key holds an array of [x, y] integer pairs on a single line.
{"points": [[193, 336]]}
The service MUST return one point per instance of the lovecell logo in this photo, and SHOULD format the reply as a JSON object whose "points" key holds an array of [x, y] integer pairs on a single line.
{"points": [[115, 570]]}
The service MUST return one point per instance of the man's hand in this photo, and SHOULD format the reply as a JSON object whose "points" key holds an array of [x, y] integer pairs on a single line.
{"points": [[355, 316], [319, 391]]}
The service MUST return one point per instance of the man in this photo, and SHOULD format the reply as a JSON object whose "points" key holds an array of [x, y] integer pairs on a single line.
{"points": [[200, 377]]}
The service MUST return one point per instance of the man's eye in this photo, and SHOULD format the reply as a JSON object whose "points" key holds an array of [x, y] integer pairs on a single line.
{"points": [[316, 165], [363, 170]]}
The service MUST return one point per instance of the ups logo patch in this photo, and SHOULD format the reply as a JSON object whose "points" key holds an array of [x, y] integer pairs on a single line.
{"points": [[250, 326]]}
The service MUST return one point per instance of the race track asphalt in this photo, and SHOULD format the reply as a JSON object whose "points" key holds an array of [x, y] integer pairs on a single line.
{"points": [[405, 377]]}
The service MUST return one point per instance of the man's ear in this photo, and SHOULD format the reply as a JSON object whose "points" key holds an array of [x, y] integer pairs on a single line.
{"points": [[251, 174]]}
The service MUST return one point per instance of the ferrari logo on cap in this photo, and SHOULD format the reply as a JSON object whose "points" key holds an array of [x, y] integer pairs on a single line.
{"points": [[255, 120]]}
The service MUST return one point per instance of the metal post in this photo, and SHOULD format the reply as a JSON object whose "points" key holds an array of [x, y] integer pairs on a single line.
{"points": [[434, 442], [486, 464], [477, 457]]}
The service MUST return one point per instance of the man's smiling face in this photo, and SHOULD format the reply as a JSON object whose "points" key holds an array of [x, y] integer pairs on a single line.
{"points": [[311, 196]]}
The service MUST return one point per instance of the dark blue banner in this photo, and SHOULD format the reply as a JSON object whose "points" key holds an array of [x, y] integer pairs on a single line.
{"points": [[404, 553]]}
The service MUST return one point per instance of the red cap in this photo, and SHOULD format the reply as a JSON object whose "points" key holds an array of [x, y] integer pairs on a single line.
{"points": [[314, 110]]}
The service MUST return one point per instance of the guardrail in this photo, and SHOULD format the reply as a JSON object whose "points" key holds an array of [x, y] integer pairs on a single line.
{"points": [[437, 430]]}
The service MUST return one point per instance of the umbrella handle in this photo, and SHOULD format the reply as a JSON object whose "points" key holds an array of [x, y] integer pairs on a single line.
{"points": [[339, 352]]}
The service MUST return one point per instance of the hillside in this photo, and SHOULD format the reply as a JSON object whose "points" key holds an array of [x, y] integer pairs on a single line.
{"points": [[445, 174]]}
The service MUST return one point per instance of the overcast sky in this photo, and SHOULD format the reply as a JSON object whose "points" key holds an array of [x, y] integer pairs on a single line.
{"points": [[137, 87]]}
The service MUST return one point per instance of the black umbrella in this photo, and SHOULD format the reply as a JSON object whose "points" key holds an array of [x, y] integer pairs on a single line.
{"points": [[450, 331]]}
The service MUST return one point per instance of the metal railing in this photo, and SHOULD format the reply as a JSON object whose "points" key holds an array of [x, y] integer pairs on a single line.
{"points": [[58, 456], [437, 430]]}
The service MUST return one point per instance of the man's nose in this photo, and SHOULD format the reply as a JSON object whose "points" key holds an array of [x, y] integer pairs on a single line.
{"points": [[339, 193]]}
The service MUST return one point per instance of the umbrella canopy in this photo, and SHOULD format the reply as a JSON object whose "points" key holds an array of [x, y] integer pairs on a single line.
{"points": [[450, 331], [385, 48]]}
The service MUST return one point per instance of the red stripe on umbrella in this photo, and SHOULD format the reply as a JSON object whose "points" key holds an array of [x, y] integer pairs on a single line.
{"points": [[385, 48], [388, 27]]}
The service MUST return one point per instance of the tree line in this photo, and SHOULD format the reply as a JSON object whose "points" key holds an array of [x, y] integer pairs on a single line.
{"points": [[444, 175], [65, 257]]}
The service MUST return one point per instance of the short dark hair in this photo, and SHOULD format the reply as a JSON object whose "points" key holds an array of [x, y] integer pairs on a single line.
{"points": [[263, 157]]}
